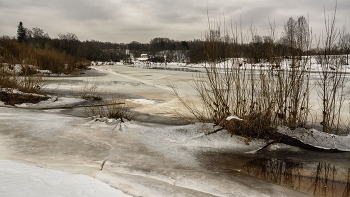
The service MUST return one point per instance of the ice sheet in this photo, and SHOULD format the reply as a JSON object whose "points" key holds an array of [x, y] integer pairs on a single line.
{"points": [[141, 159]]}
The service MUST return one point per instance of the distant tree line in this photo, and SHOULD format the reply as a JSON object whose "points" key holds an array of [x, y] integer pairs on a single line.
{"points": [[70, 44], [258, 49], [294, 41], [103, 51]]}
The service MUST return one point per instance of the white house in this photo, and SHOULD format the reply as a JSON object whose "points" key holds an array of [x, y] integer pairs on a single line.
{"points": [[143, 57]]}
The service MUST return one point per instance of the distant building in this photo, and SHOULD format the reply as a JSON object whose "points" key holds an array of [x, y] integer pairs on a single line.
{"points": [[144, 57]]}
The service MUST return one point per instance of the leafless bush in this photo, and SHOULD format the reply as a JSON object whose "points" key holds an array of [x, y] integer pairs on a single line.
{"points": [[332, 78], [261, 94]]}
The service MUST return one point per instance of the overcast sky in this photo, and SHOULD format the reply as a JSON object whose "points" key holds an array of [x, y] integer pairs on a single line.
{"points": [[123, 21]]}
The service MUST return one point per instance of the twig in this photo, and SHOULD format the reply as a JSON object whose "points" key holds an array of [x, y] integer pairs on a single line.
{"points": [[103, 163]]}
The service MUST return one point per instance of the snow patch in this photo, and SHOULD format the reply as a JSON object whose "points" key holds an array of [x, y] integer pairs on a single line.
{"points": [[233, 117], [317, 138], [23, 180], [142, 101], [55, 102], [16, 91], [53, 110]]}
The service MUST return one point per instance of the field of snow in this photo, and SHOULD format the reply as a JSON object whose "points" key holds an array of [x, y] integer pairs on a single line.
{"points": [[139, 158]]}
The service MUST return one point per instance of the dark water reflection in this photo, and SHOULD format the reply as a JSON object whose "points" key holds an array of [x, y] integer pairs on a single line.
{"points": [[315, 178]]}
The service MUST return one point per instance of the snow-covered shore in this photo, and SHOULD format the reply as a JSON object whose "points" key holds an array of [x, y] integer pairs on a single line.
{"points": [[23, 180]]}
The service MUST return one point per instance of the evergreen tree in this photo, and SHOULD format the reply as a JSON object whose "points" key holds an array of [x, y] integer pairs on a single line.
{"points": [[21, 33]]}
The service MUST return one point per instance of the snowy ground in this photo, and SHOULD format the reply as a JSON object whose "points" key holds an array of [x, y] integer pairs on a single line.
{"points": [[24, 180], [138, 158], [309, 63]]}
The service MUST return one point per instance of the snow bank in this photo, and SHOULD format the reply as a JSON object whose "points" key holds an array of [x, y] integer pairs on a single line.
{"points": [[23, 180], [16, 91], [142, 101], [232, 117], [318, 139]]}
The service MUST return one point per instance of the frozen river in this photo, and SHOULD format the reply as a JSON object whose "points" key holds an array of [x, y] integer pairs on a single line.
{"points": [[149, 90], [155, 157]]}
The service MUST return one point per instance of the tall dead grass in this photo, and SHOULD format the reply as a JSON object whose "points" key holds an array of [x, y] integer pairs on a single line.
{"points": [[13, 53], [114, 107], [23, 80]]}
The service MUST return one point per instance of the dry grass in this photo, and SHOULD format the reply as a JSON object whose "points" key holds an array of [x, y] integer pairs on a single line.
{"points": [[19, 65], [112, 108], [90, 91], [29, 84], [12, 53]]}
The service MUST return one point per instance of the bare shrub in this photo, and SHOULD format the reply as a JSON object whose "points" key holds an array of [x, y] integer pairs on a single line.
{"points": [[332, 78], [263, 95]]}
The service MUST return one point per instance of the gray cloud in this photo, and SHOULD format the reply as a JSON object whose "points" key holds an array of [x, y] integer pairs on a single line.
{"points": [[85, 10], [128, 20]]}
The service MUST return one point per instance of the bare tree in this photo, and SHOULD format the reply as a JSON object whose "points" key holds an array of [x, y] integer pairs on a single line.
{"points": [[345, 45], [39, 33], [69, 43]]}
